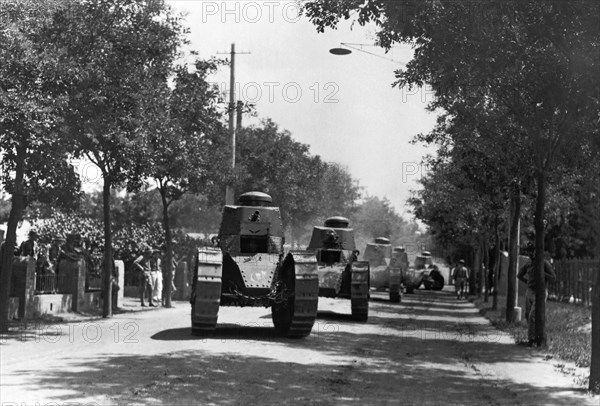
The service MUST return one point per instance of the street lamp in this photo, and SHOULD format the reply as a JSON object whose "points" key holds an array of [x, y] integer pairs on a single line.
{"points": [[345, 48]]}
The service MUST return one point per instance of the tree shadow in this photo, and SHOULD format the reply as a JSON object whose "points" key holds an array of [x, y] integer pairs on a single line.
{"points": [[352, 369], [418, 353]]}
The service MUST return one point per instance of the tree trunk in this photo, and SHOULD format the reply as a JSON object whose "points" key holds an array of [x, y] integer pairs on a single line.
{"points": [[108, 257], [471, 280], [540, 283], [595, 365], [169, 246], [16, 211], [486, 272], [496, 263], [513, 255], [477, 267]]}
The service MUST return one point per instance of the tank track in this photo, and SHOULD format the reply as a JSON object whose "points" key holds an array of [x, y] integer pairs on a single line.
{"points": [[359, 291], [296, 314], [206, 292], [394, 284]]}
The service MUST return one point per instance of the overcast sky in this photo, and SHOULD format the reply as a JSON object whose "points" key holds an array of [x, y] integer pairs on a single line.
{"points": [[344, 107]]}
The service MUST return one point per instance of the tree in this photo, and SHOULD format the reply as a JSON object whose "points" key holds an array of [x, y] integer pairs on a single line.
{"points": [[269, 160], [34, 158], [376, 217], [536, 59], [116, 49], [186, 148]]}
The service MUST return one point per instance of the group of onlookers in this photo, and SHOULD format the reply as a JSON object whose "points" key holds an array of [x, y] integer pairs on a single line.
{"points": [[149, 266], [47, 256]]}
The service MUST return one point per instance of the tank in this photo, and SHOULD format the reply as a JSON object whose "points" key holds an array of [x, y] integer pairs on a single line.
{"points": [[341, 275], [432, 277], [413, 278], [386, 266], [248, 267]]}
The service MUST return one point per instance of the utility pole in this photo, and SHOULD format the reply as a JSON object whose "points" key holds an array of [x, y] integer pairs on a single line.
{"points": [[229, 192]]}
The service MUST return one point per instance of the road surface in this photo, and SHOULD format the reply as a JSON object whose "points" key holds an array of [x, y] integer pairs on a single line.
{"points": [[429, 350]]}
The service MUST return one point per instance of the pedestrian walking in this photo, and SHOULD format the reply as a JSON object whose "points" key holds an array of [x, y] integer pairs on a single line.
{"points": [[460, 274], [527, 274]]}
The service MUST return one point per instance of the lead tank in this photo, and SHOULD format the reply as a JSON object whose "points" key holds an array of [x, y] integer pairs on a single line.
{"points": [[341, 275], [386, 267], [250, 268]]}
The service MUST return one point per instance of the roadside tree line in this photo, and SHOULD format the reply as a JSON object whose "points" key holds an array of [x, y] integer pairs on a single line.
{"points": [[516, 85]]}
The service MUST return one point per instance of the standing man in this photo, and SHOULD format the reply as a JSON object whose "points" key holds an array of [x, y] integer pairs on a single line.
{"points": [[55, 250], [156, 275], [29, 247], [142, 264], [460, 274], [164, 273], [526, 274]]}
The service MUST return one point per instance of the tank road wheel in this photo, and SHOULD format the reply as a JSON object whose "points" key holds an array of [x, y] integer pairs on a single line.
{"points": [[295, 315], [206, 291], [359, 291]]}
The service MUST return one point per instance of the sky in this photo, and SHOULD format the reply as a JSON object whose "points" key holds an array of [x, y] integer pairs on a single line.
{"points": [[344, 107]]}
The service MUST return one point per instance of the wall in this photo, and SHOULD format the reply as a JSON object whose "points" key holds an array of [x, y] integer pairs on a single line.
{"points": [[51, 304]]}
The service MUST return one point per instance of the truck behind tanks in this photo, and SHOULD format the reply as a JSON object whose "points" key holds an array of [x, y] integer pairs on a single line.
{"points": [[341, 275], [386, 265], [250, 268]]}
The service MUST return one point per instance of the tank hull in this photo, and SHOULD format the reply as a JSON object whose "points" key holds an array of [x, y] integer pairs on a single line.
{"points": [[290, 287]]}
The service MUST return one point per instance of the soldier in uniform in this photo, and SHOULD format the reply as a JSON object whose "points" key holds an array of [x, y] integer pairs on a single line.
{"points": [[460, 274]]}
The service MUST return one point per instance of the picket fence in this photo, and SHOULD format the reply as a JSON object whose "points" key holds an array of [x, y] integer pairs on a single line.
{"points": [[575, 279]]}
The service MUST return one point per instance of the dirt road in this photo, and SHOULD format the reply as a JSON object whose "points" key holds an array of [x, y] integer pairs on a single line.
{"points": [[429, 350]]}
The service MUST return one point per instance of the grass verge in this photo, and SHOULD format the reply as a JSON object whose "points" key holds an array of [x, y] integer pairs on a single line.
{"points": [[568, 328]]}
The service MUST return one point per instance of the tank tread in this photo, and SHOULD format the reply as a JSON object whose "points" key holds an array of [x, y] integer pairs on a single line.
{"points": [[359, 291], [206, 297], [206, 304], [296, 317], [394, 285], [306, 297]]}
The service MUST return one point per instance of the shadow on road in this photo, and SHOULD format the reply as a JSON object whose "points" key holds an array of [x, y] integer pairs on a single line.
{"points": [[377, 370], [398, 357], [335, 316], [222, 332]]}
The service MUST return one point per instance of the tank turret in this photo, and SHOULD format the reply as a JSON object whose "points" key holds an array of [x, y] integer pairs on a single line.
{"points": [[255, 199]]}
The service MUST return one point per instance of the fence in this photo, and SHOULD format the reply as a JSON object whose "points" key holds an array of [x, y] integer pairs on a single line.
{"points": [[575, 279], [52, 283], [93, 281]]}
